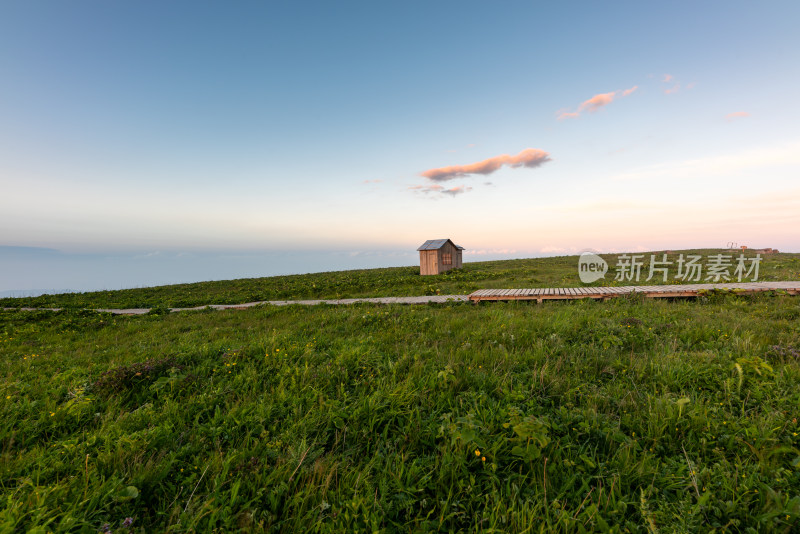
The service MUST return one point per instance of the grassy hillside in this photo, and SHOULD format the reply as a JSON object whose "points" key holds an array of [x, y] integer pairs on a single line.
{"points": [[623, 416], [542, 272]]}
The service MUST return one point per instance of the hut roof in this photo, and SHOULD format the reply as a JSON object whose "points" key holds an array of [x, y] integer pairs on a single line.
{"points": [[434, 244]]}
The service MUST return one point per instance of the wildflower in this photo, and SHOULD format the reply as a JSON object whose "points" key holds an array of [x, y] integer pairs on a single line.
{"points": [[128, 522], [483, 459], [477, 452]]}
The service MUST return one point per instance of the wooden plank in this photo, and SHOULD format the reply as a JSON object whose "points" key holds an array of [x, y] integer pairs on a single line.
{"points": [[651, 291]]}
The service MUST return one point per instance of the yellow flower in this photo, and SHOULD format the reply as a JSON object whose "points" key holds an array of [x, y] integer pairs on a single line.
{"points": [[477, 452], [483, 458]]}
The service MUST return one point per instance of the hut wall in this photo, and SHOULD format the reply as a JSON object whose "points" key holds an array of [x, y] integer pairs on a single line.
{"points": [[428, 262], [453, 261]]}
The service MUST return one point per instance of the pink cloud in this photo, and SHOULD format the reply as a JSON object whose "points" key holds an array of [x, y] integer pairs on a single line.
{"points": [[568, 115], [530, 157], [626, 92], [669, 78], [372, 181], [737, 115], [595, 103]]}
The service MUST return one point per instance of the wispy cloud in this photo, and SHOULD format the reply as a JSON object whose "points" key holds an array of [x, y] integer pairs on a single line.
{"points": [[453, 191], [491, 251], [737, 115], [568, 115], [720, 165], [372, 181], [595, 103], [438, 189], [530, 158], [675, 84]]}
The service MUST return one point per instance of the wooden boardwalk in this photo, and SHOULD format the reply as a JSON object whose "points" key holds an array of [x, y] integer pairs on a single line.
{"points": [[665, 291], [538, 294]]}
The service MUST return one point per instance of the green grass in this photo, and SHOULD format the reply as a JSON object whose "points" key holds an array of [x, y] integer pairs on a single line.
{"points": [[399, 281], [623, 416]]}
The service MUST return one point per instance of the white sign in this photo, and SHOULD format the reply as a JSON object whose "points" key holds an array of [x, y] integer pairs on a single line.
{"points": [[591, 267], [687, 268]]}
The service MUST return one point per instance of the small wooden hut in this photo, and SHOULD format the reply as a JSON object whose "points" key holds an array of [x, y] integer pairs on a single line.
{"points": [[439, 255]]}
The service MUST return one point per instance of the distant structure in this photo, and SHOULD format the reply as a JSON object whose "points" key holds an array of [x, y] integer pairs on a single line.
{"points": [[439, 255], [761, 250]]}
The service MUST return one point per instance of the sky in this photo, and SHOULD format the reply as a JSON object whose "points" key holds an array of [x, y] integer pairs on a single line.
{"points": [[146, 142]]}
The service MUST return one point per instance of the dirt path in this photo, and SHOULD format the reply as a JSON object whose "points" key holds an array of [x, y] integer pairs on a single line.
{"points": [[379, 300]]}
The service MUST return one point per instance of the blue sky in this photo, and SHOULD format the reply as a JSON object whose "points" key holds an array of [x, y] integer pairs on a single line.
{"points": [[343, 134]]}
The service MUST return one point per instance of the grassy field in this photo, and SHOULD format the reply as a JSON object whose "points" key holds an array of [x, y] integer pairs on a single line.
{"points": [[623, 416], [399, 281]]}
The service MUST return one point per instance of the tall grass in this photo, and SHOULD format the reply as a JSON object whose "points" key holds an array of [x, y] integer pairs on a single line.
{"points": [[624, 416]]}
